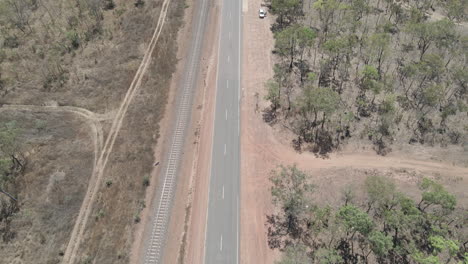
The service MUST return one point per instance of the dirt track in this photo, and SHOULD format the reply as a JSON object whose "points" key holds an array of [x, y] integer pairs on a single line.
{"points": [[91, 118], [264, 147], [93, 186]]}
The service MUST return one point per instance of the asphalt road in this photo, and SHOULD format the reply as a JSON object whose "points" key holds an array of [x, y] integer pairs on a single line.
{"points": [[222, 232]]}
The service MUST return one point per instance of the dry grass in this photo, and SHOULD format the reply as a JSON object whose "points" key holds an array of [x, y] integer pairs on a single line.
{"points": [[331, 182], [59, 154], [96, 76]]}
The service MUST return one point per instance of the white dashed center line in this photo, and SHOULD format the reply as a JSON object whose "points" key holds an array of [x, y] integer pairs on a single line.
{"points": [[221, 244]]}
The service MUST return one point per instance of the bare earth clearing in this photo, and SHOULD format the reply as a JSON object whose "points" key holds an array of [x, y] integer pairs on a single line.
{"points": [[264, 147]]}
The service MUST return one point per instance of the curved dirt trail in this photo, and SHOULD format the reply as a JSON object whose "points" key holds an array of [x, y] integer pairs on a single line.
{"points": [[94, 183], [91, 118]]}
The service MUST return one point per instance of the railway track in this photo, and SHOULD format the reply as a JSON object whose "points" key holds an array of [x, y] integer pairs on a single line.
{"points": [[154, 250]]}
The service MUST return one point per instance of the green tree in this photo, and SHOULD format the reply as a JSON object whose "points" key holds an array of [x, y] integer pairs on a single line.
{"points": [[323, 100], [432, 95], [291, 192], [328, 256], [9, 147], [273, 94], [282, 75], [381, 244], [379, 43], [355, 220], [369, 79], [11, 162], [456, 9], [381, 193], [293, 41], [315, 102], [288, 11], [290, 189], [294, 254], [435, 194], [359, 8], [18, 13], [441, 33], [327, 10]]}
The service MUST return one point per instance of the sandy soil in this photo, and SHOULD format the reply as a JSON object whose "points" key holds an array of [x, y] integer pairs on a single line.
{"points": [[264, 147], [255, 163]]}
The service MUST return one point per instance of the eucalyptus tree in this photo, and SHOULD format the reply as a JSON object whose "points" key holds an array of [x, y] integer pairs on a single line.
{"points": [[439, 33], [288, 11]]}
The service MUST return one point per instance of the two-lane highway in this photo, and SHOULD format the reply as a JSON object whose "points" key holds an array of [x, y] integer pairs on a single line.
{"points": [[222, 230]]}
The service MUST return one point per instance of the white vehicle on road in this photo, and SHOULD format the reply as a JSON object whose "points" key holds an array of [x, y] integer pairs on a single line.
{"points": [[262, 13]]}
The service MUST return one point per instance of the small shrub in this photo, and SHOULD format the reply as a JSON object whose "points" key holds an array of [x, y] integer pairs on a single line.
{"points": [[99, 214], [11, 42], [74, 39], [139, 3], [40, 124], [137, 219], [146, 181], [87, 260], [119, 12], [109, 4], [109, 183], [3, 55]]}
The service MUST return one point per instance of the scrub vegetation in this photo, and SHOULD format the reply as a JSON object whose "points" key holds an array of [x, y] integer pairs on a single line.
{"points": [[385, 73], [384, 225], [391, 72], [65, 68]]}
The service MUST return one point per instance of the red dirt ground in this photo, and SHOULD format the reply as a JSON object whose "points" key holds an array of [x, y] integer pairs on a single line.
{"points": [[264, 147]]}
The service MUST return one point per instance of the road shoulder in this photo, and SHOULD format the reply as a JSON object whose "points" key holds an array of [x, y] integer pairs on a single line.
{"points": [[187, 225]]}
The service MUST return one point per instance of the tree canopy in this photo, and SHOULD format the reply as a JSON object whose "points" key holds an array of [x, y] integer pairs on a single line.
{"points": [[386, 227]]}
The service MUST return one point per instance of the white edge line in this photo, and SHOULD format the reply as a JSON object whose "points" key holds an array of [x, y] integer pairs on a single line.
{"points": [[221, 244], [238, 231], [239, 84], [238, 123], [212, 138]]}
